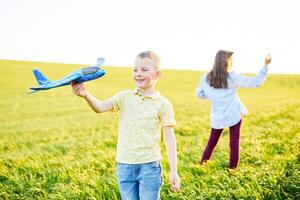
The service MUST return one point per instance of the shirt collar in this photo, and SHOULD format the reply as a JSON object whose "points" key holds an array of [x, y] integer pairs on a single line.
{"points": [[156, 95]]}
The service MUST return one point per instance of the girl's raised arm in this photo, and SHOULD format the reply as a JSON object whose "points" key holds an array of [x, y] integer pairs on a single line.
{"points": [[252, 82]]}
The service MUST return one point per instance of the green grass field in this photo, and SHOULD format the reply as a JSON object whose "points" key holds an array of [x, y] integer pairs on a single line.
{"points": [[53, 146]]}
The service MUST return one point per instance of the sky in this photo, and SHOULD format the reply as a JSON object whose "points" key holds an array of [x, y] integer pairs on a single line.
{"points": [[186, 34]]}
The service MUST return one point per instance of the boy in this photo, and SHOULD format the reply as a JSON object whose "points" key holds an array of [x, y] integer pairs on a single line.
{"points": [[143, 112]]}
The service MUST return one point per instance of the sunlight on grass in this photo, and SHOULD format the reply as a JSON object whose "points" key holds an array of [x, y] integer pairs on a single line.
{"points": [[52, 146]]}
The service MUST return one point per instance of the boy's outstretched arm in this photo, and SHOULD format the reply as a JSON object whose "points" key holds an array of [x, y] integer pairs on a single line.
{"points": [[79, 89], [170, 142]]}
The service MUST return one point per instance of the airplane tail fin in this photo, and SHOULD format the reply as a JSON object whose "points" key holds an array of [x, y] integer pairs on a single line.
{"points": [[99, 62], [41, 79]]}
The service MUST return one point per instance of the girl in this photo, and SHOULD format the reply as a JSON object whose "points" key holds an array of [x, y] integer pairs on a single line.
{"points": [[219, 86]]}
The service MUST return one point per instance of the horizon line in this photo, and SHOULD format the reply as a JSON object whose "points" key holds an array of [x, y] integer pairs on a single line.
{"points": [[123, 66]]}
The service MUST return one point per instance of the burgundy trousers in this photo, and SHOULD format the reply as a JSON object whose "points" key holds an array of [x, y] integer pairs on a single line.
{"points": [[234, 144]]}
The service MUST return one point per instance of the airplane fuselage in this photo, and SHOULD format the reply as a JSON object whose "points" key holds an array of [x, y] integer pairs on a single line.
{"points": [[78, 76], [85, 74]]}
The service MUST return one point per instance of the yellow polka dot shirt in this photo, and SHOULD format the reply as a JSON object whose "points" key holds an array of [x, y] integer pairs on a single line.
{"points": [[141, 119]]}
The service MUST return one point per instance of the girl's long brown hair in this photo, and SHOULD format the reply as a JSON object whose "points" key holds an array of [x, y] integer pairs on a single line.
{"points": [[217, 77]]}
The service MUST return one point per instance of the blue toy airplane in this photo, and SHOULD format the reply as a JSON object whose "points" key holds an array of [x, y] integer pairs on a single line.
{"points": [[78, 76]]}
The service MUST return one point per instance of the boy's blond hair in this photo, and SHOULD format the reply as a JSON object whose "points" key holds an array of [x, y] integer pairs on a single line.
{"points": [[153, 56]]}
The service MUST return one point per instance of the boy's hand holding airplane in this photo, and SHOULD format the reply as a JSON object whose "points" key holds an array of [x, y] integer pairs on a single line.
{"points": [[79, 89]]}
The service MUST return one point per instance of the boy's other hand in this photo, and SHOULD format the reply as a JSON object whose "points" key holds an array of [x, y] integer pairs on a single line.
{"points": [[175, 181], [268, 59], [79, 89]]}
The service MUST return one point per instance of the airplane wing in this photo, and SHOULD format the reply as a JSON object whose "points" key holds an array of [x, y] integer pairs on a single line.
{"points": [[61, 82], [65, 81]]}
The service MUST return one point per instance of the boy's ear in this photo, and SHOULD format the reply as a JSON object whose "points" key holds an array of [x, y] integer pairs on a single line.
{"points": [[158, 74]]}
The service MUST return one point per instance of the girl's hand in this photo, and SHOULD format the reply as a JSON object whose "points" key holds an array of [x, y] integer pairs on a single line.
{"points": [[79, 89], [268, 59], [175, 181]]}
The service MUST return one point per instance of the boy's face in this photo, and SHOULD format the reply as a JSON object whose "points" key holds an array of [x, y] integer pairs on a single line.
{"points": [[144, 72]]}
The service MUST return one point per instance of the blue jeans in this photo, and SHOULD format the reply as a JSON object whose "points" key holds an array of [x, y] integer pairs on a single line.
{"points": [[140, 181]]}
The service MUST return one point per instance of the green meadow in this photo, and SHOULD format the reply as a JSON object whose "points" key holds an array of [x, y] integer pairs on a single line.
{"points": [[53, 146]]}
